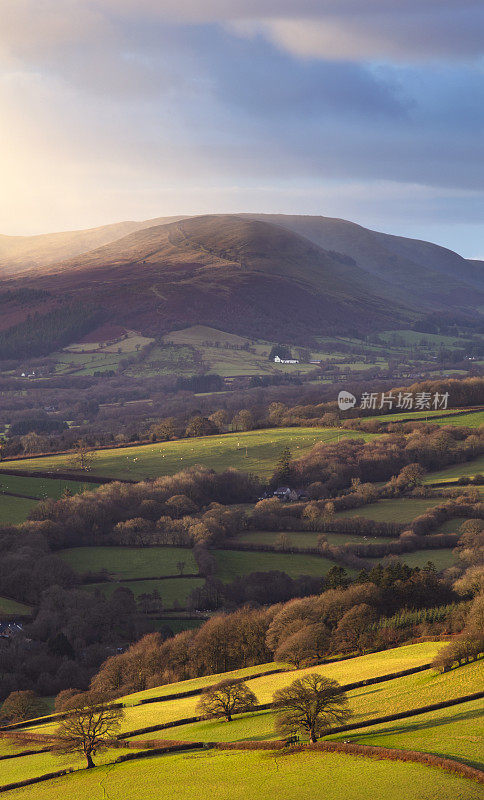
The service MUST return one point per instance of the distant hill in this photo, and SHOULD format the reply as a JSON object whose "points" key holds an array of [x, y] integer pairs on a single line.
{"points": [[419, 273], [19, 253], [270, 276]]}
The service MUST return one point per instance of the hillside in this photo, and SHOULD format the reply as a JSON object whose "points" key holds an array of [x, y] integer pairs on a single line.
{"points": [[269, 276], [19, 253], [399, 262], [234, 274], [211, 752]]}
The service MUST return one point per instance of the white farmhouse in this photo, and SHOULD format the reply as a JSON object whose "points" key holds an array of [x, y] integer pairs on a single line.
{"points": [[285, 360]]}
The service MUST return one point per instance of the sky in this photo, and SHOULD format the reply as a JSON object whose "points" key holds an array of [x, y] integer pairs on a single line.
{"points": [[370, 110]]}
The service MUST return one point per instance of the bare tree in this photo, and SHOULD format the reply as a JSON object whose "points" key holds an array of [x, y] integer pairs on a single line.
{"points": [[225, 699], [23, 705], [311, 704], [82, 456], [90, 725]]}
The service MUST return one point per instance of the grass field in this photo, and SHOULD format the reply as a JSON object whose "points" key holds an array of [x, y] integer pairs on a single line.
{"points": [[467, 469], [176, 624], [220, 775], [399, 510], [41, 487], [451, 416], [234, 563], [455, 732], [441, 558], [14, 510], [399, 694], [130, 562], [200, 683], [451, 526], [307, 538], [12, 608], [219, 352], [25, 767], [472, 420], [251, 451], [174, 592], [346, 671]]}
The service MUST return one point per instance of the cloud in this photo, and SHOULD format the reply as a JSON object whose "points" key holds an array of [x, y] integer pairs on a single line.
{"points": [[399, 30], [418, 35], [368, 109]]}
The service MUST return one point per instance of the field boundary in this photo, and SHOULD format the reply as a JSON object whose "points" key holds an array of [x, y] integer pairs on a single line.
{"points": [[29, 781], [368, 751], [340, 729], [63, 476], [348, 686], [413, 712]]}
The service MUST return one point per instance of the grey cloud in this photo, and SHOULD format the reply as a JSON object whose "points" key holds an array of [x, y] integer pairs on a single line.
{"points": [[331, 29]]}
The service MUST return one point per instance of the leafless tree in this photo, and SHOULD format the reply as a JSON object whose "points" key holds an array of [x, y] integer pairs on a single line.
{"points": [[89, 726], [227, 698], [310, 704]]}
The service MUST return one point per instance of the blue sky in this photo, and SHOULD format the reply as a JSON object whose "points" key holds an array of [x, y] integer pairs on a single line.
{"points": [[371, 110]]}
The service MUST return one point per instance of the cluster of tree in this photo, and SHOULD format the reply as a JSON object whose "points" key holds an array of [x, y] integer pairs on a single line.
{"points": [[39, 424], [134, 513], [43, 333], [303, 631], [23, 297], [261, 588], [329, 468], [72, 633], [469, 644]]}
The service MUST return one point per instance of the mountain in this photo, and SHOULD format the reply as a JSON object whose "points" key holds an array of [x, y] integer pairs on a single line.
{"points": [[241, 275], [270, 276], [20, 253], [417, 273]]}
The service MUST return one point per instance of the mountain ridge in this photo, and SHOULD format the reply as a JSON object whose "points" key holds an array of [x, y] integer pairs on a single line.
{"points": [[254, 275]]}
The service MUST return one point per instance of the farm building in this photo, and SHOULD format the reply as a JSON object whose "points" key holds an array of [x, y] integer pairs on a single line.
{"points": [[279, 360]]}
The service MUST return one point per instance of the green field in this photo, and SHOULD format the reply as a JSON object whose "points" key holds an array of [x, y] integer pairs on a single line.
{"points": [[451, 526], [399, 510], [220, 353], [41, 487], [307, 539], [130, 562], [346, 671], [453, 732], [251, 451], [25, 767], [11, 608], [416, 338], [14, 510], [205, 680], [452, 473], [441, 558], [233, 563], [451, 416], [472, 420], [224, 775], [228, 775], [389, 697], [174, 592], [176, 624]]}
